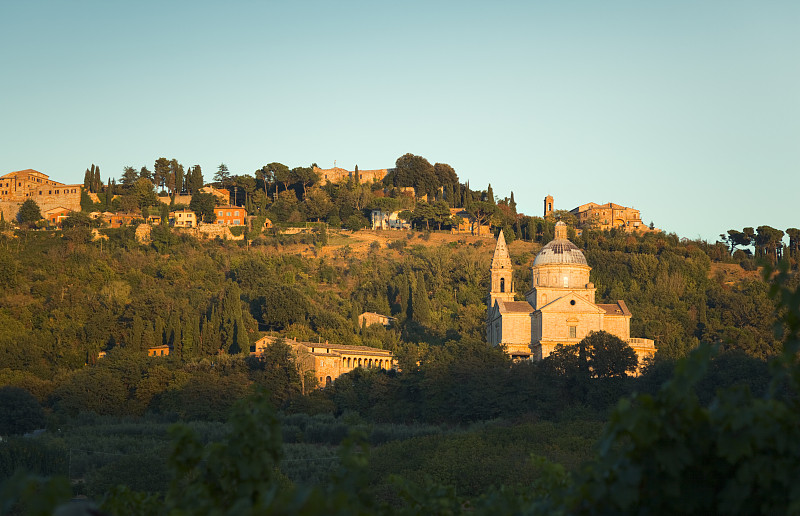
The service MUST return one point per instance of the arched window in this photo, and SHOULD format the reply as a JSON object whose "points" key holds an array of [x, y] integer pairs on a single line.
{"points": [[328, 381], [502, 284]]}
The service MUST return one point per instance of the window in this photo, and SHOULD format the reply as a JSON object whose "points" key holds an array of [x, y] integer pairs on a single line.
{"points": [[573, 332], [502, 284], [236, 213], [228, 214], [566, 281]]}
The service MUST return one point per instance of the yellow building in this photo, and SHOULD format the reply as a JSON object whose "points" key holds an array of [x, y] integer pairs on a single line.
{"points": [[328, 361], [183, 219], [560, 307]]}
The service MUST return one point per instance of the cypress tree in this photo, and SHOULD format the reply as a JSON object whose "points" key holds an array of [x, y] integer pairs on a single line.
{"points": [[137, 333], [420, 305], [109, 195], [232, 329], [158, 331], [97, 180], [148, 337]]}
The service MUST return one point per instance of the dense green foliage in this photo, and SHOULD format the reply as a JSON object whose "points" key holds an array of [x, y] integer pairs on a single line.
{"points": [[453, 429]]}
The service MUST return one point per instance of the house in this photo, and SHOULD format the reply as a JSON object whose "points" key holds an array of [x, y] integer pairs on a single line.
{"points": [[328, 361], [184, 218], [55, 216], [388, 220], [370, 318], [116, 220], [466, 223], [230, 215], [560, 307], [158, 351], [223, 195]]}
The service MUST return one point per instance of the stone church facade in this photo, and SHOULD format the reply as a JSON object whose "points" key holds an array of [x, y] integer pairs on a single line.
{"points": [[559, 308]]}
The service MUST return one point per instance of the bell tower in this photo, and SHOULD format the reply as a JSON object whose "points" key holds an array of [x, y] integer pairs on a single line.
{"points": [[501, 285], [548, 206]]}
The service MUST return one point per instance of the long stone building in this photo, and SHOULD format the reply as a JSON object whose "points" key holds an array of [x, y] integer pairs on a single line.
{"points": [[559, 308], [328, 360], [17, 187], [340, 175]]}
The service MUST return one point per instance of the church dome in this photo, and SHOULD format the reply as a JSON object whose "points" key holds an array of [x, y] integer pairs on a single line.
{"points": [[560, 250]]}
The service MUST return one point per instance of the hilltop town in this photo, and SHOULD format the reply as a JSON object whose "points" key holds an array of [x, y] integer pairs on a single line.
{"points": [[399, 300]]}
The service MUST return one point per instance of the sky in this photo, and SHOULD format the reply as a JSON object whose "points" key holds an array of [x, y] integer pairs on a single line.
{"points": [[686, 110]]}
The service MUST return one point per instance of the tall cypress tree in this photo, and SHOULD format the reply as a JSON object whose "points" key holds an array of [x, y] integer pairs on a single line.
{"points": [[420, 304], [109, 195], [98, 182], [137, 333]]}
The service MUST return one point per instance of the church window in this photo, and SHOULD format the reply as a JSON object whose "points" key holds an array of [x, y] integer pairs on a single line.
{"points": [[573, 332], [502, 284]]}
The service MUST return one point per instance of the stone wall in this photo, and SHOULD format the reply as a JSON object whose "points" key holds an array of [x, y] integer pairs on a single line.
{"points": [[212, 231]]}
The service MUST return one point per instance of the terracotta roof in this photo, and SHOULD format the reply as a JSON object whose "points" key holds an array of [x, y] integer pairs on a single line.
{"points": [[515, 306], [618, 308]]}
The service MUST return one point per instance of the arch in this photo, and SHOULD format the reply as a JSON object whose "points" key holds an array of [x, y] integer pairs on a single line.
{"points": [[502, 284], [370, 363], [359, 362], [328, 381]]}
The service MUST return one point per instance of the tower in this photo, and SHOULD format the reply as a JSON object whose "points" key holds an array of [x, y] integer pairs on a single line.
{"points": [[548, 206], [501, 285]]}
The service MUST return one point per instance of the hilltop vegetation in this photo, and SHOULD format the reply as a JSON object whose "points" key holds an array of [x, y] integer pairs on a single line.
{"points": [[456, 423]]}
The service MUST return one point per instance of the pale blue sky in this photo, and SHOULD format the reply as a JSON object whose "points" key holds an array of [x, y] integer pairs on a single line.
{"points": [[687, 110]]}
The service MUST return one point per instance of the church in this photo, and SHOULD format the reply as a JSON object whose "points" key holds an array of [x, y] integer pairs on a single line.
{"points": [[559, 308]]}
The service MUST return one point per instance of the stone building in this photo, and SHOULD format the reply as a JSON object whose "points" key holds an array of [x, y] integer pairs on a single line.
{"points": [[340, 175], [559, 308], [609, 216], [329, 361], [370, 318], [17, 187], [388, 220], [463, 222]]}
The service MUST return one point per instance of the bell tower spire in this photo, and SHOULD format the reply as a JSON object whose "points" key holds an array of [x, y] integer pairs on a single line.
{"points": [[501, 285]]}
